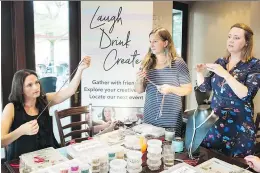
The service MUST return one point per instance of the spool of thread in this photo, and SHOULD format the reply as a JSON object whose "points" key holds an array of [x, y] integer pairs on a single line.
{"points": [[84, 171], [177, 145], [64, 170], [74, 169], [84, 168], [111, 156]]}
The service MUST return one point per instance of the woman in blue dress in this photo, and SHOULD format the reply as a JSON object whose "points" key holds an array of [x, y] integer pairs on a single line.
{"points": [[234, 80], [165, 78]]}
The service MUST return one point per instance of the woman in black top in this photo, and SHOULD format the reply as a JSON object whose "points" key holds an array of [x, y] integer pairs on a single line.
{"points": [[21, 132]]}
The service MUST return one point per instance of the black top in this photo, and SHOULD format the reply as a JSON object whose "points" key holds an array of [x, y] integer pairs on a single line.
{"points": [[29, 143]]}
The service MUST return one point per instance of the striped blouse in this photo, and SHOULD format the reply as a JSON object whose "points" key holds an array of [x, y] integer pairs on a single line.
{"points": [[171, 115]]}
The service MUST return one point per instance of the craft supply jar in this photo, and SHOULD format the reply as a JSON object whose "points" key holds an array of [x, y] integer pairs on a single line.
{"points": [[84, 168], [169, 134], [118, 166], [154, 143]]}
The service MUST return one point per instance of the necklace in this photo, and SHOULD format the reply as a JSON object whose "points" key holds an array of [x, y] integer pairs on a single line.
{"points": [[161, 65], [160, 62], [162, 102], [224, 81], [194, 130]]}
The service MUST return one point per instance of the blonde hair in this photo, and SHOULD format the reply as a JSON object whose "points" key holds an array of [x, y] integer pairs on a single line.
{"points": [[149, 61], [248, 48]]}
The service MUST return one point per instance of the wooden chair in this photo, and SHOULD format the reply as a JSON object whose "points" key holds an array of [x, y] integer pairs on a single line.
{"points": [[257, 125], [74, 111]]}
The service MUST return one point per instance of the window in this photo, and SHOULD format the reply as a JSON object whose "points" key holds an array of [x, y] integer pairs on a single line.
{"points": [[51, 28], [177, 30], [51, 40], [180, 28]]}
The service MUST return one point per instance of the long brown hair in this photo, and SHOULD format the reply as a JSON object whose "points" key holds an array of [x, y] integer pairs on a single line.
{"points": [[149, 61], [248, 48], [16, 96]]}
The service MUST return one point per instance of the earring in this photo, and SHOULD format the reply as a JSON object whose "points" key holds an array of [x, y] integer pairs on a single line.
{"points": [[165, 51]]}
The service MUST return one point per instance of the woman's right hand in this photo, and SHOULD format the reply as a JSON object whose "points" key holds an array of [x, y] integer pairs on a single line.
{"points": [[253, 162], [200, 68], [30, 128], [140, 75]]}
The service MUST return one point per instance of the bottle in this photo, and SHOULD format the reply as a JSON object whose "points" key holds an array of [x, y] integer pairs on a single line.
{"points": [[143, 144], [169, 134]]}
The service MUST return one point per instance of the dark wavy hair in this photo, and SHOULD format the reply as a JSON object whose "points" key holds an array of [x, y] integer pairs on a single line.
{"points": [[16, 96], [103, 115]]}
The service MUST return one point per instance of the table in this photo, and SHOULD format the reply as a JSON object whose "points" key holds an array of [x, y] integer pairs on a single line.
{"points": [[205, 154]]}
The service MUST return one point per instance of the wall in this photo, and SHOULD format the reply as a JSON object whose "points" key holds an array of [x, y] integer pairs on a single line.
{"points": [[255, 24], [2, 149], [162, 14]]}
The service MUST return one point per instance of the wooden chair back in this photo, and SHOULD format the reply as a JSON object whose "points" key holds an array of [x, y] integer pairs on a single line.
{"points": [[74, 111], [257, 125]]}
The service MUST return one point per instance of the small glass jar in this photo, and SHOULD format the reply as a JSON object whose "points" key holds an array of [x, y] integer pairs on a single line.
{"points": [[64, 169], [74, 169], [118, 165], [84, 168], [169, 134], [154, 143]]}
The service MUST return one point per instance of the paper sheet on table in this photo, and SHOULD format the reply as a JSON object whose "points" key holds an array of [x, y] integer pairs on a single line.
{"points": [[183, 169], [148, 129], [215, 165]]}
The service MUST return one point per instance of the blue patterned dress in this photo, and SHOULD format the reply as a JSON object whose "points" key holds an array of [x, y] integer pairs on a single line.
{"points": [[234, 133]]}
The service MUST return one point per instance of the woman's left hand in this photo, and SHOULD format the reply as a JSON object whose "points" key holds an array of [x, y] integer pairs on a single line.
{"points": [[165, 89], [111, 126], [107, 124], [85, 63], [218, 69]]}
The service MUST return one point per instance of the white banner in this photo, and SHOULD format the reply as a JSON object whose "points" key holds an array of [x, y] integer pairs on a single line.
{"points": [[116, 36]]}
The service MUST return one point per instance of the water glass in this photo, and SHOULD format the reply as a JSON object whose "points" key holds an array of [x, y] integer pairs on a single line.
{"points": [[169, 134], [168, 156], [154, 143]]}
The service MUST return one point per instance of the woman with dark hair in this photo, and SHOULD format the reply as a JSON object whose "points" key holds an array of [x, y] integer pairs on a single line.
{"points": [[107, 121], [234, 80], [165, 78], [21, 131], [107, 124], [108, 114]]}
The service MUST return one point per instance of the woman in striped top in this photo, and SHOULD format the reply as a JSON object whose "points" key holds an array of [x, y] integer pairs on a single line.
{"points": [[165, 78]]}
